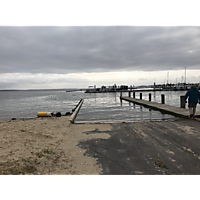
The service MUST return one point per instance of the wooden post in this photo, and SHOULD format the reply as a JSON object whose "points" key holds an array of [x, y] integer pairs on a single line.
{"points": [[120, 95], [140, 95], [182, 101], [133, 94], [149, 96], [162, 98], [129, 93]]}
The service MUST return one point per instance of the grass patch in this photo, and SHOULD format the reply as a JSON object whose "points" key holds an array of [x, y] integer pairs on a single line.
{"points": [[45, 153], [42, 162], [17, 167]]}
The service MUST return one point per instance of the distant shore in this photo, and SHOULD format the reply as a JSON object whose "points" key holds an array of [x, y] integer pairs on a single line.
{"points": [[136, 90]]}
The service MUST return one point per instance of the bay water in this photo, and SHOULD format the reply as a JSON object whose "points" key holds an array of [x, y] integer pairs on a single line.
{"points": [[97, 107]]}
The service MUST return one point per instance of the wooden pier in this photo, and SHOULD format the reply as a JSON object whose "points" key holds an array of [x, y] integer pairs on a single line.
{"points": [[180, 112]]}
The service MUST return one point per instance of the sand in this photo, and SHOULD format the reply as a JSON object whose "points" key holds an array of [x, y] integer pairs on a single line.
{"points": [[47, 146]]}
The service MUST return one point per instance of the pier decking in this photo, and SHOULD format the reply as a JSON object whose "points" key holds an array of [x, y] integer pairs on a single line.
{"points": [[180, 112]]}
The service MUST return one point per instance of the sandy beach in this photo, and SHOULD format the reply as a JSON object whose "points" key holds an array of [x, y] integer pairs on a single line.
{"points": [[47, 146]]}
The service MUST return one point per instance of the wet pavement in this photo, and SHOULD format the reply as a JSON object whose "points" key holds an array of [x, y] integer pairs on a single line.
{"points": [[159, 147]]}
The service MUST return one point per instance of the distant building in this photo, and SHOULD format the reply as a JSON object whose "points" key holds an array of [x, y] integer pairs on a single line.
{"points": [[108, 88], [91, 89], [112, 88], [124, 87]]}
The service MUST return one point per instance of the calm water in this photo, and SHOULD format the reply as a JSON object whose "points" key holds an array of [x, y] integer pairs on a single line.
{"points": [[99, 107]]}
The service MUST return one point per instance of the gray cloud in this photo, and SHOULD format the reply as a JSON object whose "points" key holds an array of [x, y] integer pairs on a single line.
{"points": [[35, 80], [98, 49]]}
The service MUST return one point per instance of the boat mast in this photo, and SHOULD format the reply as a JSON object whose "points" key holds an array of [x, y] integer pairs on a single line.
{"points": [[185, 75], [167, 77]]}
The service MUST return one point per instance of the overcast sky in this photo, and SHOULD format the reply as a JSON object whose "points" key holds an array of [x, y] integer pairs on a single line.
{"points": [[79, 56]]}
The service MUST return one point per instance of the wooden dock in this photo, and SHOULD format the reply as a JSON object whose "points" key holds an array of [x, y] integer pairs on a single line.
{"points": [[180, 112]]}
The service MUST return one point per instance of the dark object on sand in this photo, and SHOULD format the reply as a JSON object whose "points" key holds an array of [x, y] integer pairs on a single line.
{"points": [[58, 114]]}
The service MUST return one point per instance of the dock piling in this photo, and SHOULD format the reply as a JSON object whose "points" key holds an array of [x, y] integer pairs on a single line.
{"points": [[149, 96], [182, 101], [129, 93], [133, 94], [162, 98], [140, 95]]}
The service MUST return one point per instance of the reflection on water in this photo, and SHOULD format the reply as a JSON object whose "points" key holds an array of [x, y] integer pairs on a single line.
{"points": [[108, 107]]}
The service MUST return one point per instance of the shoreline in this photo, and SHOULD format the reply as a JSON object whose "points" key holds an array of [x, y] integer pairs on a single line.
{"points": [[93, 122], [138, 90]]}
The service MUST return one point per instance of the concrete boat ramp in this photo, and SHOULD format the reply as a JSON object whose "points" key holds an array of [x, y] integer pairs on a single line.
{"points": [[144, 148], [180, 112], [147, 148]]}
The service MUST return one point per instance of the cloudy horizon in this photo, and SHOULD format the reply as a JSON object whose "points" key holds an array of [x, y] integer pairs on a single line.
{"points": [[50, 57]]}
